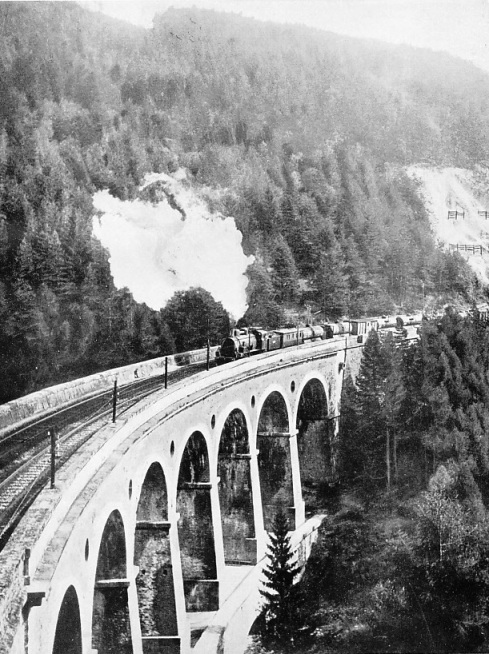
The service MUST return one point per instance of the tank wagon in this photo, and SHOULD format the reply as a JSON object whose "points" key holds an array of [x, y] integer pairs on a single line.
{"points": [[248, 341]]}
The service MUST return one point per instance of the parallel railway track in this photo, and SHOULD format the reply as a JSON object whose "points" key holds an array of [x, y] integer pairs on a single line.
{"points": [[25, 454]]}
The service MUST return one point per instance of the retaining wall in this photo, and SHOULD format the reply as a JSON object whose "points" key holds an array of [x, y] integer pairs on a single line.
{"points": [[41, 403]]}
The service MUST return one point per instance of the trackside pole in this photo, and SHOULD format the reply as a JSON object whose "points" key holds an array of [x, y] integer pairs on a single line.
{"points": [[114, 401], [52, 435], [166, 372], [208, 360]]}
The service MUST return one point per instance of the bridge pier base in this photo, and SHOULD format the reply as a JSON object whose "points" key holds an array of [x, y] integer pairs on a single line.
{"points": [[236, 508], [299, 505], [111, 624], [280, 477], [155, 585], [196, 531], [161, 645], [132, 603], [257, 505], [183, 627]]}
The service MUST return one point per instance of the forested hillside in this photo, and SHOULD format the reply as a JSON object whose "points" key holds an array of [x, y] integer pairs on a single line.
{"points": [[304, 134], [401, 563]]}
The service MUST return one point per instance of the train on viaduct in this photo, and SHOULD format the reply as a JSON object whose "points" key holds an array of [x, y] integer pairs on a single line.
{"points": [[152, 538]]}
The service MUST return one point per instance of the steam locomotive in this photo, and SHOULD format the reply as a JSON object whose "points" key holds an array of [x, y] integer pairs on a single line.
{"points": [[248, 341]]}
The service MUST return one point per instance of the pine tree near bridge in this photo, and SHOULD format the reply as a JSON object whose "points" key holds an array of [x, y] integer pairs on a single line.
{"points": [[282, 618], [370, 416]]}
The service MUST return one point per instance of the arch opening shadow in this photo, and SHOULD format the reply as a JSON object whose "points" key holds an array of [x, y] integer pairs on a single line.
{"points": [[67, 639], [152, 555], [314, 443], [111, 629], [274, 460], [195, 528], [235, 492]]}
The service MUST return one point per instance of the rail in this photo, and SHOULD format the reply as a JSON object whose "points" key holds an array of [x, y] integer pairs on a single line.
{"points": [[43, 402], [55, 509], [35, 473], [26, 475]]}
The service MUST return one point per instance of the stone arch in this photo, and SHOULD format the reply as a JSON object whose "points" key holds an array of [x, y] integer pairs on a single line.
{"points": [[274, 459], [273, 414], [194, 465], [195, 527], [314, 441], [152, 556], [68, 639], [153, 500], [235, 491], [111, 629]]}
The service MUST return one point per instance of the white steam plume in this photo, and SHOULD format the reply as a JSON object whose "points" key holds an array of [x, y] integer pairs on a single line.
{"points": [[158, 249]]}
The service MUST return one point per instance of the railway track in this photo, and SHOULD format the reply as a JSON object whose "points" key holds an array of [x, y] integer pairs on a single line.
{"points": [[25, 454]]}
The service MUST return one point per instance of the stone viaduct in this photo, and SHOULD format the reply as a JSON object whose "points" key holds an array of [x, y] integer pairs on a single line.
{"points": [[153, 520]]}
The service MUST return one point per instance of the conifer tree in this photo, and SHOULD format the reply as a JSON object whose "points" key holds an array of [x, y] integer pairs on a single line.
{"points": [[284, 272], [331, 284], [370, 380], [263, 309], [378, 400], [281, 612]]}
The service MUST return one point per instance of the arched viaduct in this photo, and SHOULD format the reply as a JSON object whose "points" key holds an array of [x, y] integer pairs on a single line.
{"points": [[133, 544]]}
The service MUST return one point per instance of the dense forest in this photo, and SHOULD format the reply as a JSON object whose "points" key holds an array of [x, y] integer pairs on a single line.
{"points": [[305, 137], [402, 560], [304, 133]]}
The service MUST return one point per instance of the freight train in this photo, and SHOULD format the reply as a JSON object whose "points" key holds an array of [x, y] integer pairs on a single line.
{"points": [[248, 341]]}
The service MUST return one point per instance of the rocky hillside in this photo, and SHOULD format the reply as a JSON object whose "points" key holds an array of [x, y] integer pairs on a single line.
{"points": [[465, 192]]}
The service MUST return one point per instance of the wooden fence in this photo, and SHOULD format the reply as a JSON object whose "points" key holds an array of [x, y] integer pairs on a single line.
{"points": [[471, 248], [455, 215]]}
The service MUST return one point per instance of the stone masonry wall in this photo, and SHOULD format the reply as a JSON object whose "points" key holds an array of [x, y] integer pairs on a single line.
{"points": [[45, 401]]}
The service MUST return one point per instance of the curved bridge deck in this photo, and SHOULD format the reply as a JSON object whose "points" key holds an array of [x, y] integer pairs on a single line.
{"points": [[134, 545]]}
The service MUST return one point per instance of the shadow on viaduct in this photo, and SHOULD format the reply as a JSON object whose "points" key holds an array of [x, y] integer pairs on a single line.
{"points": [[145, 519]]}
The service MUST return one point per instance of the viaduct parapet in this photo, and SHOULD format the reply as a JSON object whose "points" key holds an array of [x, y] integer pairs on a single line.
{"points": [[132, 548]]}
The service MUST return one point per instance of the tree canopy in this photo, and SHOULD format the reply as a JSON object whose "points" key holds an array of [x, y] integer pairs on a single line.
{"points": [[193, 317], [272, 118]]}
